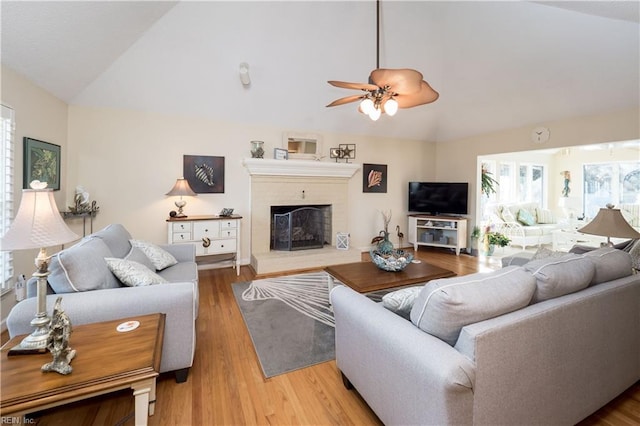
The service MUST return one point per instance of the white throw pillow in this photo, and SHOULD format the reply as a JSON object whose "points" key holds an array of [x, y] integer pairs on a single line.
{"points": [[401, 301], [160, 258], [133, 274]]}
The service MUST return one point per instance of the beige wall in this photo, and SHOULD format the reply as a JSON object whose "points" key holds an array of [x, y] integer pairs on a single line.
{"points": [[39, 115], [128, 160]]}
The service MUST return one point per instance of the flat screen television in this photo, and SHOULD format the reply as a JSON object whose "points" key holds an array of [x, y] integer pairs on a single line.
{"points": [[446, 198]]}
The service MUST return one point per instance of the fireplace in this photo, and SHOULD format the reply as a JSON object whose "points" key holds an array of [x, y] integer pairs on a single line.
{"points": [[300, 227]]}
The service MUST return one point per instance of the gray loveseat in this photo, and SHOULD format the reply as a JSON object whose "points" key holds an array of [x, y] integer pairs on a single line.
{"points": [[92, 293], [549, 342]]}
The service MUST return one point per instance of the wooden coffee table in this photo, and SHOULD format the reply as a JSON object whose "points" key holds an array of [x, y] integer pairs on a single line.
{"points": [[365, 277], [106, 361]]}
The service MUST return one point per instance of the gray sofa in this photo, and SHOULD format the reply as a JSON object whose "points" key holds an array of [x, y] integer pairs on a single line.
{"points": [[92, 293], [546, 343]]}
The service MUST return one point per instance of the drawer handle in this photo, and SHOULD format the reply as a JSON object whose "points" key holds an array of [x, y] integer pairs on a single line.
{"points": [[206, 242]]}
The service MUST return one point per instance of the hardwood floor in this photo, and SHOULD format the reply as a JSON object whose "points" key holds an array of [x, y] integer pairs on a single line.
{"points": [[226, 386]]}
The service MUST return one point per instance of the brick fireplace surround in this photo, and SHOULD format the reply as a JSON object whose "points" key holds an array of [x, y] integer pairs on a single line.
{"points": [[293, 183]]}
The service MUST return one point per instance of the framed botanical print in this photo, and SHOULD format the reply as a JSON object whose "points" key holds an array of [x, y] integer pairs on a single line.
{"points": [[374, 178], [41, 162]]}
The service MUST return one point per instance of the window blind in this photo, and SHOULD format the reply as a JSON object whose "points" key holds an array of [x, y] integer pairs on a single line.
{"points": [[6, 192]]}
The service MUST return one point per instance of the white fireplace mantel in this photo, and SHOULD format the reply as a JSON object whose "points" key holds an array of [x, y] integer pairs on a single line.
{"points": [[268, 167]]}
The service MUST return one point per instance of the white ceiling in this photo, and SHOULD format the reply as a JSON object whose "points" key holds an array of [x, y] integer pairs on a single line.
{"points": [[496, 65]]}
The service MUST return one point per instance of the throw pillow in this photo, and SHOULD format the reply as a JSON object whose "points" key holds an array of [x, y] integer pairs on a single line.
{"points": [[137, 255], [401, 301], [507, 215], [610, 264], [544, 215], [526, 218], [159, 258], [556, 277], [116, 237], [81, 268], [634, 252], [544, 253], [133, 274], [444, 306]]}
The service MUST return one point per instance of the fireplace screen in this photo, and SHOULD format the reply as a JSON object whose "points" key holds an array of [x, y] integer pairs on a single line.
{"points": [[299, 228]]}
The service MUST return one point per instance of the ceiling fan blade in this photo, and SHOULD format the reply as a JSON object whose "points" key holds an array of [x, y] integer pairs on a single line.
{"points": [[345, 100], [401, 81], [356, 86], [425, 95]]}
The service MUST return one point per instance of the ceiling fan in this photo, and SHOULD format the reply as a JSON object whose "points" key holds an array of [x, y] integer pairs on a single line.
{"points": [[388, 89]]}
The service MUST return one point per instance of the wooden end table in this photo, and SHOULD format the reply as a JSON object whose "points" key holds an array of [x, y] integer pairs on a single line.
{"points": [[365, 277], [106, 361]]}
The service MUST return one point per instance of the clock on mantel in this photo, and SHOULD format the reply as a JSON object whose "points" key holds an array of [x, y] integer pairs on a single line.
{"points": [[540, 135]]}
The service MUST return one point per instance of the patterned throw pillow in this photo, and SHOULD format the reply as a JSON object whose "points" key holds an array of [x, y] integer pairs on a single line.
{"points": [[635, 255], [133, 274], [544, 215], [526, 218], [160, 258], [401, 301], [544, 253], [507, 215]]}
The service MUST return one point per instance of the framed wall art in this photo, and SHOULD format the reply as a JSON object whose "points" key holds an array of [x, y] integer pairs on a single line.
{"points": [[204, 173], [41, 162], [280, 154], [374, 178]]}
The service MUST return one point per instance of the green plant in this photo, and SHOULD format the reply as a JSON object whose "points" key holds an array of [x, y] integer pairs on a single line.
{"points": [[497, 239], [475, 233], [488, 182]]}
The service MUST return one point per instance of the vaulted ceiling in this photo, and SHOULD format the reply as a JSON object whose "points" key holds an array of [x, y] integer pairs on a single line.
{"points": [[496, 65]]}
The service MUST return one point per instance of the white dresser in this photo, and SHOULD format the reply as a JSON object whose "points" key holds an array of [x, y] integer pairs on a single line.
{"points": [[212, 235]]}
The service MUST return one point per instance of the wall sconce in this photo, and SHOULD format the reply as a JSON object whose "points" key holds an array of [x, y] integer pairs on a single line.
{"points": [[244, 74]]}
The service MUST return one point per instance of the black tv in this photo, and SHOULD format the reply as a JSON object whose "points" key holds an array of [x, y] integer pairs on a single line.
{"points": [[438, 198]]}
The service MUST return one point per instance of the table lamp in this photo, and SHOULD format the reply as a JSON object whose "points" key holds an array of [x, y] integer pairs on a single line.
{"points": [[181, 188], [609, 222], [38, 224]]}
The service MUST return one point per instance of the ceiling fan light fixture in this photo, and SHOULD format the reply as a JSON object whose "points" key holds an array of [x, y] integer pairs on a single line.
{"points": [[390, 107], [367, 106], [375, 114]]}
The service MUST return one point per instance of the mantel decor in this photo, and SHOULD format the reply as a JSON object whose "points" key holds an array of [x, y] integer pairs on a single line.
{"points": [[41, 162]]}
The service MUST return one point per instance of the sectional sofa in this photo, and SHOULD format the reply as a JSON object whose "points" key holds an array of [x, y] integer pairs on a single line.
{"points": [[108, 275], [549, 342]]}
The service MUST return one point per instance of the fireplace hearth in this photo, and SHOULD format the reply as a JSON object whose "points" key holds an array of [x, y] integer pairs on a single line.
{"points": [[300, 227]]}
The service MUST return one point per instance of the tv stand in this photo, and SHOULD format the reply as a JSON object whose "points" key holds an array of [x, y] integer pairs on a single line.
{"points": [[438, 231]]}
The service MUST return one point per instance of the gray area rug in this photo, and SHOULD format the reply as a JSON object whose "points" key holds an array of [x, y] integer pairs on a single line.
{"points": [[289, 319]]}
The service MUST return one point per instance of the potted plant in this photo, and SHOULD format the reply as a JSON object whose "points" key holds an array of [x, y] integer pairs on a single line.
{"points": [[488, 183], [493, 239], [475, 236]]}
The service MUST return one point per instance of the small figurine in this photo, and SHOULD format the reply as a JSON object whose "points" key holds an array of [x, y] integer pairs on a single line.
{"points": [[58, 341]]}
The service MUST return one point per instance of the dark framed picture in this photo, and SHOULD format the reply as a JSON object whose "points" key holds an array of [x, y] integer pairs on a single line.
{"points": [[41, 162], [374, 178], [204, 173]]}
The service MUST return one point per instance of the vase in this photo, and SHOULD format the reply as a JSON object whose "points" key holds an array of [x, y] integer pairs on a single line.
{"points": [[385, 246], [489, 250], [257, 151]]}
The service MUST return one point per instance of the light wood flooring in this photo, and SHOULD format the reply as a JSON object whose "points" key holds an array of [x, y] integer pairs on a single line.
{"points": [[226, 386]]}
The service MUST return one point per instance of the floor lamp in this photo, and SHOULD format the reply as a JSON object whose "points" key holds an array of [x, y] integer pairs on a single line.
{"points": [[609, 222], [38, 224]]}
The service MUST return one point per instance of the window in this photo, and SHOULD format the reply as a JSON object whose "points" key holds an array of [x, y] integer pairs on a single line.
{"points": [[6, 192], [616, 183]]}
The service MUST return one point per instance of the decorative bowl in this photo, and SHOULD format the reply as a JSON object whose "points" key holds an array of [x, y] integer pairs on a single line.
{"points": [[396, 261]]}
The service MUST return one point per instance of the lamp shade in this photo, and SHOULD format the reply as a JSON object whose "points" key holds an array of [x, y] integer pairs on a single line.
{"points": [[38, 223], [609, 222], [181, 188]]}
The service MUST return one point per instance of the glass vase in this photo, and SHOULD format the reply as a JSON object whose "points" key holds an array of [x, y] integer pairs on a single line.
{"points": [[257, 150]]}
